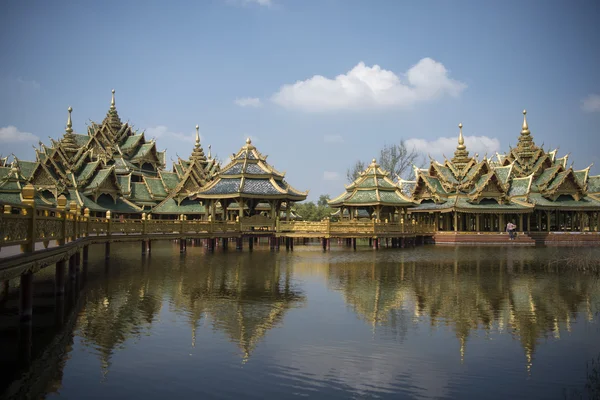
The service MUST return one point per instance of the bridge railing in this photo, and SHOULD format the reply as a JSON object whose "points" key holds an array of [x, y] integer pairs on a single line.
{"points": [[28, 225]]}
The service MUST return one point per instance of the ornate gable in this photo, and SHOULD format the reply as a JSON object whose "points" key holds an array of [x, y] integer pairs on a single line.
{"points": [[564, 183]]}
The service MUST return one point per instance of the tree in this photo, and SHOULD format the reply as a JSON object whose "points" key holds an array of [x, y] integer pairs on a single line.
{"points": [[310, 211], [354, 172], [397, 159]]}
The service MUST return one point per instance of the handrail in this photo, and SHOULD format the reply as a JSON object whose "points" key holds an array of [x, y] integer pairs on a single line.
{"points": [[28, 225]]}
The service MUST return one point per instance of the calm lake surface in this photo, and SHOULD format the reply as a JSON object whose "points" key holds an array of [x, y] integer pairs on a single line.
{"points": [[425, 322]]}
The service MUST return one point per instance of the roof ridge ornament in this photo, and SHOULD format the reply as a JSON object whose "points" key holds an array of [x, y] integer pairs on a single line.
{"points": [[112, 101], [197, 135], [69, 121], [525, 130]]}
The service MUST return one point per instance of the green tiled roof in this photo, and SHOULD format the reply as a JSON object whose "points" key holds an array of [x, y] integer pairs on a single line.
{"points": [[580, 176], [593, 184], [131, 142], [463, 203], [27, 168], [363, 196], [445, 173], [561, 161], [179, 169], [170, 179], [435, 183], [10, 198], [156, 187], [4, 171], [547, 175], [366, 183], [557, 180], [427, 205], [564, 202], [393, 198], [100, 177], [139, 192], [143, 150], [86, 171], [187, 206], [81, 140], [124, 183], [503, 173], [519, 186], [120, 206]]}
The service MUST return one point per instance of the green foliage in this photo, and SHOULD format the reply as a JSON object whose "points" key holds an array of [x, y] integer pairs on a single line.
{"points": [[309, 211], [396, 159]]}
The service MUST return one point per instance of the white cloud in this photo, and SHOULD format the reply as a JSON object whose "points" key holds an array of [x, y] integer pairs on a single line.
{"points": [[365, 87], [248, 102], [163, 132], [12, 134], [591, 103], [330, 176], [447, 145], [265, 3], [333, 139]]}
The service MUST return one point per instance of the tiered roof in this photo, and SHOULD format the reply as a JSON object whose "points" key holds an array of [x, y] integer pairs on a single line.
{"points": [[187, 178], [248, 175], [525, 178], [373, 187]]}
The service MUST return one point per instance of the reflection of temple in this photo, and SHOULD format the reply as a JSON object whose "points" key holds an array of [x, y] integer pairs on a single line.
{"points": [[240, 300], [531, 306]]}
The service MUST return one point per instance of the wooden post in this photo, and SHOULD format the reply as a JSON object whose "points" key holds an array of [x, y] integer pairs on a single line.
{"points": [[72, 267], [455, 221], [292, 244], [354, 243], [4, 287], [107, 251], [86, 250], [144, 247], [26, 297], [149, 246], [59, 278]]}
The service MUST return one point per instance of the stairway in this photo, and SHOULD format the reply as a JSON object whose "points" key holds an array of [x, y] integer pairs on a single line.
{"points": [[487, 238]]}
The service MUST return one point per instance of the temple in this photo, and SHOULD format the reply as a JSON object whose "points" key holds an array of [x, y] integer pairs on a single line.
{"points": [[528, 186], [115, 168]]}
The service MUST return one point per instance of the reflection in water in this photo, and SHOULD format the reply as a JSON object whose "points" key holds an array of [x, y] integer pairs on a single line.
{"points": [[425, 322]]}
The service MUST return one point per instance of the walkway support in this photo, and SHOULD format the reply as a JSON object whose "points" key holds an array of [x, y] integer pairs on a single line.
{"points": [[26, 297]]}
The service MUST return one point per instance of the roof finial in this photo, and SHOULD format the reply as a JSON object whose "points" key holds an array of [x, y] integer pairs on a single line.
{"points": [[209, 152], [461, 139], [525, 130], [197, 135], [112, 102], [248, 141], [69, 123]]}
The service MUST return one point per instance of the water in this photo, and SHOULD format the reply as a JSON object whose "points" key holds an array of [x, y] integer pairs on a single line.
{"points": [[429, 322]]}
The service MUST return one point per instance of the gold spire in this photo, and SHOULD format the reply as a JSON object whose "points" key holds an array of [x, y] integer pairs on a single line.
{"points": [[112, 102], [198, 152], [525, 130], [248, 141], [69, 122], [461, 139], [197, 135], [461, 155]]}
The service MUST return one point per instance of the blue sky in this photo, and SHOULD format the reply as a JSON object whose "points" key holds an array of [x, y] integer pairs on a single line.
{"points": [[267, 69]]}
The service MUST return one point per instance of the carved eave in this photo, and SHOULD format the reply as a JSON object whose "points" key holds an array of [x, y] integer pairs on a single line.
{"points": [[425, 191], [567, 184], [491, 187]]}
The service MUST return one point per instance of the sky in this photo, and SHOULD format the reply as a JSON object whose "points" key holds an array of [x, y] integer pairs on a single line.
{"points": [[316, 84]]}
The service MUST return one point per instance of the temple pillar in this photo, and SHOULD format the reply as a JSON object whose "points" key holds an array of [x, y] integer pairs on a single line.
{"points": [[477, 226], [26, 297], [224, 243], [354, 243], [582, 222], [86, 250], [107, 251], [324, 244], [181, 245], [144, 247], [149, 246], [521, 226], [539, 220], [455, 214], [500, 222], [597, 221]]}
